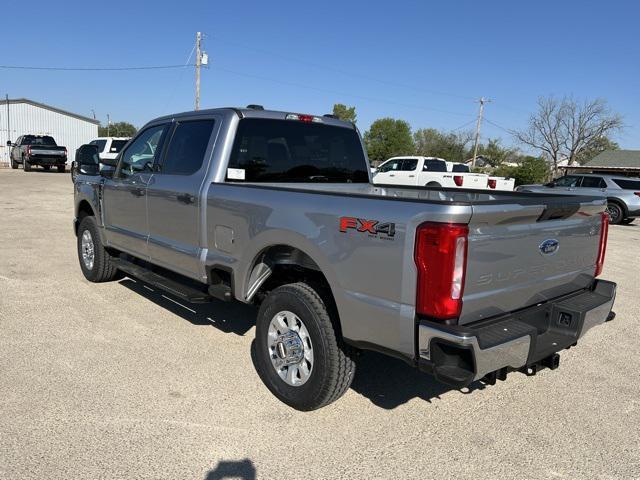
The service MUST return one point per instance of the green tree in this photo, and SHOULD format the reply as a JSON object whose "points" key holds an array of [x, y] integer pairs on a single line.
{"points": [[388, 137], [493, 152], [531, 170], [345, 113], [597, 146], [430, 142], [118, 129]]}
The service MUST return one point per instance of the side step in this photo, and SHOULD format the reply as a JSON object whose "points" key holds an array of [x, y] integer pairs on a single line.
{"points": [[180, 290]]}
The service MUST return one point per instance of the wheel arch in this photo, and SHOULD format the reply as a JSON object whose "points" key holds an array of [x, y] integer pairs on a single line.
{"points": [[621, 204]]}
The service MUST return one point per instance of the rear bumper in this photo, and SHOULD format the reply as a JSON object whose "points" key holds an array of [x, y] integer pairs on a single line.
{"points": [[524, 340], [47, 160]]}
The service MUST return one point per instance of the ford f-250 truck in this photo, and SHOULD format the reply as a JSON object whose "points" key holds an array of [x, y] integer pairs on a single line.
{"points": [[278, 209], [40, 150]]}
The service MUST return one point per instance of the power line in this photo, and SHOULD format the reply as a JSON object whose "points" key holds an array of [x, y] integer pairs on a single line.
{"points": [[496, 125], [91, 69], [464, 125], [344, 72], [334, 92]]}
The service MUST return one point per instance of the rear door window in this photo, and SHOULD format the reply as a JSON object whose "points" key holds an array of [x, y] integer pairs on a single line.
{"points": [[434, 166], [188, 144], [267, 150], [627, 184], [593, 182], [100, 144]]}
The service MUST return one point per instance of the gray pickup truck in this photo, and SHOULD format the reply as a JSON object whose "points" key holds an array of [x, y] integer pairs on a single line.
{"points": [[278, 209], [37, 150]]}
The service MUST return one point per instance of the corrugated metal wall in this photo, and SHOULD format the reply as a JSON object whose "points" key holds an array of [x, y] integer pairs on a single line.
{"points": [[68, 131]]}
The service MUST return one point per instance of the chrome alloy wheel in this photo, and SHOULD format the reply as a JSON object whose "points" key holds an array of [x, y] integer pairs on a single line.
{"points": [[290, 348], [87, 249]]}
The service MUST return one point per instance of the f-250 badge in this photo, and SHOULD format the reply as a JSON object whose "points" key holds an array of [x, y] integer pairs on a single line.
{"points": [[371, 227]]}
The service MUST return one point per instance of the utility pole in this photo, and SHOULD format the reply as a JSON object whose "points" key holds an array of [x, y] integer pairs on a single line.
{"points": [[108, 125], [482, 101], [8, 121], [198, 63]]}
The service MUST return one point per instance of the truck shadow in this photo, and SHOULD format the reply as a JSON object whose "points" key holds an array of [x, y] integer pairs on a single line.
{"points": [[387, 382], [229, 317]]}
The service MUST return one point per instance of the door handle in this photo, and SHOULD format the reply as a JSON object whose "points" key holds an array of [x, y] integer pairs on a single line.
{"points": [[411, 176], [392, 175], [185, 198], [137, 192]]}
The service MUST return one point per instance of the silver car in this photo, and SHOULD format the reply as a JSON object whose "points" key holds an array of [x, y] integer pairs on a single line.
{"points": [[623, 193]]}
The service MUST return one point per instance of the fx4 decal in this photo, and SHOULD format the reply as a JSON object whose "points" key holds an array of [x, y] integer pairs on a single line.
{"points": [[372, 227]]}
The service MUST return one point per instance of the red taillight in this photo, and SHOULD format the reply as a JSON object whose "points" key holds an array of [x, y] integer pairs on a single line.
{"points": [[637, 194], [602, 247], [493, 183], [459, 179], [65, 151], [28, 149], [441, 258]]}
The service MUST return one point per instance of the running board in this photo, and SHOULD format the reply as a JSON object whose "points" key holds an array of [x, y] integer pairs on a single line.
{"points": [[178, 289]]}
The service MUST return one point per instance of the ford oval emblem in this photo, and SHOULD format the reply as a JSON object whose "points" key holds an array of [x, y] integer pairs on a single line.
{"points": [[549, 246]]}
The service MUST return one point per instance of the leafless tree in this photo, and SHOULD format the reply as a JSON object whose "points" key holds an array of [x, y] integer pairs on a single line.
{"points": [[565, 128]]}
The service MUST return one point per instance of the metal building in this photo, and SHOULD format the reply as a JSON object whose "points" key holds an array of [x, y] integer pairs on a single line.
{"points": [[23, 116]]}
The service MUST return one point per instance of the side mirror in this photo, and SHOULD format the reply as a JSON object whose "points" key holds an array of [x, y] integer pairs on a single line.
{"points": [[9, 144], [550, 184], [87, 160]]}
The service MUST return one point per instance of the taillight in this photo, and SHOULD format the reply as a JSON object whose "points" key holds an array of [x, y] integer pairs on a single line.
{"points": [[441, 258], [493, 183], [459, 179], [637, 194], [65, 151], [28, 149], [303, 118], [602, 247]]}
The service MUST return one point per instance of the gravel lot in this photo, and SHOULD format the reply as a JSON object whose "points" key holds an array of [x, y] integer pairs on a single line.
{"points": [[117, 381]]}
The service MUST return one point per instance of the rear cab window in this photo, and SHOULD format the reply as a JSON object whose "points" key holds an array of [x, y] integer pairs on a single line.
{"points": [[460, 168], [116, 145], [100, 144], [267, 150], [34, 140]]}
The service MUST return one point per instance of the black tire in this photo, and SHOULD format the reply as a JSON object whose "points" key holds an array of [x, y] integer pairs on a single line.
{"points": [[26, 165], [46, 167], [102, 269], [62, 168], [333, 365], [627, 221], [74, 174], [14, 164], [616, 213], [433, 184]]}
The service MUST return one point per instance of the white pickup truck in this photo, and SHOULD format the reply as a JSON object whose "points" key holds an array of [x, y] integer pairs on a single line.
{"points": [[426, 172], [493, 183]]}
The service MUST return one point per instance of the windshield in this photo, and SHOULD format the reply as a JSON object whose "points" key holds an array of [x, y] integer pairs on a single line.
{"points": [[293, 151], [457, 167], [33, 140]]}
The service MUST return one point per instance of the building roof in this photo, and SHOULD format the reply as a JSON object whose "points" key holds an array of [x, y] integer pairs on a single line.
{"points": [[49, 107], [616, 159]]}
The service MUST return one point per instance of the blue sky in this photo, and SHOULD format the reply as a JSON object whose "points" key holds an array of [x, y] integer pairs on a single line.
{"points": [[422, 61]]}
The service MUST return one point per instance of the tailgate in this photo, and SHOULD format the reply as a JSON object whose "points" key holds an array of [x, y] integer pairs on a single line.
{"points": [[511, 259], [475, 180]]}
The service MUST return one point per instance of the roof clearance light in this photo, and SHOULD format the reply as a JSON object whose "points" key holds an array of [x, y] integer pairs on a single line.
{"points": [[303, 118]]}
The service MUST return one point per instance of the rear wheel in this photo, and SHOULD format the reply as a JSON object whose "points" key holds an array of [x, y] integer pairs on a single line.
{"points": [[26, 164], [614, 210], [62, 168], [433, 184], [627, 221], [299, 355], [95, 261], [46, 167]]}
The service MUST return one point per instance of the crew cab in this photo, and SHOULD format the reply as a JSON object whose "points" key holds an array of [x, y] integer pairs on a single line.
{"points": [[277, 209], [109, 147], [37, 150], [427, 172]]}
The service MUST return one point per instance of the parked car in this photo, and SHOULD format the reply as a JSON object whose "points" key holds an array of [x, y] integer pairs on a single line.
{"points": [[623, 193], [493, 182], [426, 172], [277, 209], [37, 150]]}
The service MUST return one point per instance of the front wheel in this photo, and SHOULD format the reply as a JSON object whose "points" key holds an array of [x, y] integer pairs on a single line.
{"points": [[14, 164], [627, 221], [26, 165], [615, 213], [299, 355], [95, 261]]}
